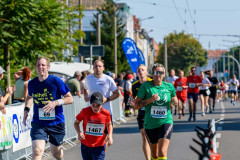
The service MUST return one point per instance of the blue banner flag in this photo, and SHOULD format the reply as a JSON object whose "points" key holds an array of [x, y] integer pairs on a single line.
{"points": [[131, 52], [141, 57]]}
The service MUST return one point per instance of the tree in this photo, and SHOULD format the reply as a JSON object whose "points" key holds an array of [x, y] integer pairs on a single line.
{"points": [[33, 28], [107, 12], [184, 52]]}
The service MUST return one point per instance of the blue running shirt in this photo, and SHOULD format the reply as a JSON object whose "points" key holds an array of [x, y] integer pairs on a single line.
{"points": [[51, 89]]}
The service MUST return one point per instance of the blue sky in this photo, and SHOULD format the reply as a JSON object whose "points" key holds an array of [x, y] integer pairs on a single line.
{"points": [[212, 17]]}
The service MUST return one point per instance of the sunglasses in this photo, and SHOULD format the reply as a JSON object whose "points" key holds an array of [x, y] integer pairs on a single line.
{"points": [[157, 73]]}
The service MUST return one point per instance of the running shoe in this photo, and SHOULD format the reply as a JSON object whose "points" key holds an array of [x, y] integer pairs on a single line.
{"points": [[231, 101], [203, 114], [189, 119], [180, 117], [183, 112], [207, 109], [210, 111], [194, 118], [234, 104]]}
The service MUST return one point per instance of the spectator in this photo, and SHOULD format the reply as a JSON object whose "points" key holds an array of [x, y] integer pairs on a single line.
{"points": [[109, 73], [113, 76], [89, 72], [82, 81], [9, 90], [128, 94], [22, 78], [74, 84]]}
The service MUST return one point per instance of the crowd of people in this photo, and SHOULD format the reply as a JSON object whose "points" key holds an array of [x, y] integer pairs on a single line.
{"points": [[156, 98]]}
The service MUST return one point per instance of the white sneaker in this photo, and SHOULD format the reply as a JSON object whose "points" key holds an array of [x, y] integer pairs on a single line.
{"points": [[203, 114]]}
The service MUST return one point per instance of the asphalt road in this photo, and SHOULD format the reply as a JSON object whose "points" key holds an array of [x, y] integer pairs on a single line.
{"points": [[127, 139]]}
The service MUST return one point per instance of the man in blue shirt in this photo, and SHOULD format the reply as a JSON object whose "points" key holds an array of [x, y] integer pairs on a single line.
{"points": [[45, 92]]}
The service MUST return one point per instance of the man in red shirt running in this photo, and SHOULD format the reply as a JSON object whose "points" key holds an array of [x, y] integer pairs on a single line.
{"points": [[181, 91], [193, 81]]}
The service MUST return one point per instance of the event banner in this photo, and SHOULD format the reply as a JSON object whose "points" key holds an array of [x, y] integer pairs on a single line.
{"points": [[13, 133], [141, 57], [21, 133], [6, 134], [131, 52]]}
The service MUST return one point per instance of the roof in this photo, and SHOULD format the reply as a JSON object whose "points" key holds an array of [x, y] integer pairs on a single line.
{"points": [[68, 69], [215, 54]]}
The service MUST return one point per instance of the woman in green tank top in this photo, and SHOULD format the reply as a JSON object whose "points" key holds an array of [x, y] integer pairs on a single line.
{"points": [[156, 96]]}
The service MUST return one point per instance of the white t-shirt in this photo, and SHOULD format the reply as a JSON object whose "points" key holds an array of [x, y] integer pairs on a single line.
{"points": [[232, 86], [205, 81], [105, 85], [128, 85], [172, 79]]}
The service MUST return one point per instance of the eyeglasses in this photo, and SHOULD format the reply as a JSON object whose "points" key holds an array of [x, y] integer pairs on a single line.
{"points": [[158, 73]]}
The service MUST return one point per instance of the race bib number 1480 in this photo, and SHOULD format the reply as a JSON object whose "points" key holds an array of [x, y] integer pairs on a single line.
{"points": [[159, 112]]}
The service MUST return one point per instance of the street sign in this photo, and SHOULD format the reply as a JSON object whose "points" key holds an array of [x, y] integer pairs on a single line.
{"points": [[97, 50]]}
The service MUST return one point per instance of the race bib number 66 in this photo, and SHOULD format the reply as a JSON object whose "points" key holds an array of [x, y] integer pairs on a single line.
{"points": [[159, 112], [94, 129]]}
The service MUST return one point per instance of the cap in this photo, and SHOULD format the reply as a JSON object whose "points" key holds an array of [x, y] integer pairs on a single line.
{"points": [[1, 70], [77, 73], [90, 71], [109, 73], [97, 98], [129, 76]]}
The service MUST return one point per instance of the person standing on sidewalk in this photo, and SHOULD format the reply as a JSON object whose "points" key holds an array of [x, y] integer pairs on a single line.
{"points": [[193, 82], [45, 93], [73, 84], [99, 82], [143, 77]]}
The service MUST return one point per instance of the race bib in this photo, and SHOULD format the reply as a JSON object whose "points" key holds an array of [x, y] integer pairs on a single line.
{"points": [[192, 85], [179, 88], [46, 116], [94, 129], [159, 112]]}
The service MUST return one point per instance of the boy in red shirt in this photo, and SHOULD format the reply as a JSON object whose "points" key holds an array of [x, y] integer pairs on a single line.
{"points": [[95, 119], [181, 91]]}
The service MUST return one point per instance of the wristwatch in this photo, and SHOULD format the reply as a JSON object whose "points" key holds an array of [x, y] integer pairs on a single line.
{"points": [[108, 99]]}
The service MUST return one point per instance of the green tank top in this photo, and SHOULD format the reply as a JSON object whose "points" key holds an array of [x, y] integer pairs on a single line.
{"points": [[19, 88]]}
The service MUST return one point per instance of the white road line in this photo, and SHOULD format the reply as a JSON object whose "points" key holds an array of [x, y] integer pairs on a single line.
{"points": [[217, 144], [222, 115], [221, 123], [218, 135]]}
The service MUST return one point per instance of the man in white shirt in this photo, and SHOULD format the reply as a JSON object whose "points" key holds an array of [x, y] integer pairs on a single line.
{"points": [[233, 83], [99, 82]]}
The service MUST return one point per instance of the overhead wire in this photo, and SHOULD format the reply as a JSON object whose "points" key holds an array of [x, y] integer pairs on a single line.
{"points": [[194, 22], [179, 14]]}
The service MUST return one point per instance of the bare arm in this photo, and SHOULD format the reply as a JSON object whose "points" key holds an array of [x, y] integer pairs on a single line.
{"points": [[110, 130], [139, 103], [86, 95], [9, 91], [25, 91], [78, 94], [77, 129], [115, 95], [2, 106], [17, 75], [28, 104]]}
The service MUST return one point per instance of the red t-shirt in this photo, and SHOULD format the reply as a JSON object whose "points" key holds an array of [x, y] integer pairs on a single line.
{"points": [[179, 83], [93, 126], [192, 83]]}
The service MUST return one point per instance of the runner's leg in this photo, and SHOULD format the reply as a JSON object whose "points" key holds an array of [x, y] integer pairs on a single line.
{"points": [[56, 151], [38, 149], [145, 145]]}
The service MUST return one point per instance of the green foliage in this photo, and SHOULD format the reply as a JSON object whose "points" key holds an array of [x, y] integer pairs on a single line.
{"points": [[184, 52], [33, 28], [107, 12]]}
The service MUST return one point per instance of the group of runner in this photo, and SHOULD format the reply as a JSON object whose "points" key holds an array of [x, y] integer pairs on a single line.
{"points": [[153, 97]]}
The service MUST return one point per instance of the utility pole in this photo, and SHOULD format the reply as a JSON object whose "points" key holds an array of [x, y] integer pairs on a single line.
{"points": [[115, 41], [224, 67], [165, 57], [98, 32], [228, 67], [80, 28]]}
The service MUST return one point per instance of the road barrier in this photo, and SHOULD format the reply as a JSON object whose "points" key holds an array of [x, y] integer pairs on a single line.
{"points": [[70, 111]]}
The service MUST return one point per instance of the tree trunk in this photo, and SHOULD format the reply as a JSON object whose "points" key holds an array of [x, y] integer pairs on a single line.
{"points": [[7, 65]]}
